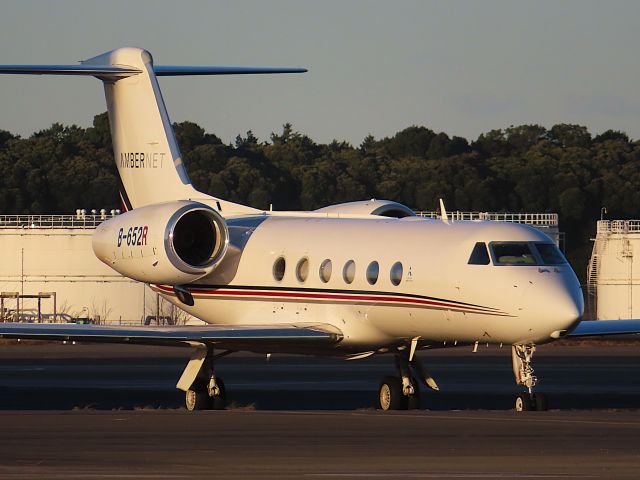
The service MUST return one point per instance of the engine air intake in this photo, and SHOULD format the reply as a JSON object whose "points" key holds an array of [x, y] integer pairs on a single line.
{"points": [[195, 238], [198, 238]]}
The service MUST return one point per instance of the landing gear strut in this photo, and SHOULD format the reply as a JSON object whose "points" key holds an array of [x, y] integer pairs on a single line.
{"points": [[203, 389], [521, 356], [402, 392]]}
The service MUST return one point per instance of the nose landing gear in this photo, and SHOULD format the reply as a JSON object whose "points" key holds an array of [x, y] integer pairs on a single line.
{"points": [[521, 356]]}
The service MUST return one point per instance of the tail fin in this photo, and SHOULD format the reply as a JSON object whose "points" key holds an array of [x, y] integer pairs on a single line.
{"points": [[144, 145]]}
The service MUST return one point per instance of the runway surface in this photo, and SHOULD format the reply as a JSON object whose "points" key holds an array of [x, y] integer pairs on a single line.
{"points": [[71, 411], [319, 445], [63, 377]]}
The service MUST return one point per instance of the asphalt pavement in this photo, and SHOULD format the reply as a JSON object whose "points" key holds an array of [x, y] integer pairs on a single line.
{"points": [[96, 411]]}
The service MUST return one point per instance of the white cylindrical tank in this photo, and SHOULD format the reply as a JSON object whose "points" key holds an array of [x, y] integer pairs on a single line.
{"points": [[614, 271], [46, 255]]}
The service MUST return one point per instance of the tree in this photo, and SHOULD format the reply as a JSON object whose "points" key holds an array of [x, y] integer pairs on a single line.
{"points": [[521, 168], [5, 137], [571, 135]]}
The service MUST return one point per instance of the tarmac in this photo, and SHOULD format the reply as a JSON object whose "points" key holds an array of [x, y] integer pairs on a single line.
{"points": [[96, 411]]}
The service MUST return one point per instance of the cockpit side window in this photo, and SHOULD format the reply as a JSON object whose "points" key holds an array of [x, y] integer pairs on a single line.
{"points": [[479, 255], [513, 253], [550, 254]]}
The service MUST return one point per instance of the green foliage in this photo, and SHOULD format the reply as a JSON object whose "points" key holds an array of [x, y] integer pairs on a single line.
{"points": [[521, 168]]}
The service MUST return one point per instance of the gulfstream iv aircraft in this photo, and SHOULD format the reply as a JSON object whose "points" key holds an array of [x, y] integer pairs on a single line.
{"points": [[350, 280]]}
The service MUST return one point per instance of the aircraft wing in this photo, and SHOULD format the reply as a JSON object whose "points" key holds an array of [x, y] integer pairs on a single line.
{"points": [[601, 328], [243, 337]]}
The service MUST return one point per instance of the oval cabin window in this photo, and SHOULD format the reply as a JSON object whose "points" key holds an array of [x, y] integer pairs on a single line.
{"points": [[373, 270], [302, 269], [396, 273], [278, 269], [349, 271], [325, 271]]}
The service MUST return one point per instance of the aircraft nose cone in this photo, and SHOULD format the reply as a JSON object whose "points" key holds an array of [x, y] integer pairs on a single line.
{"points": [[571, 308], [565, 310]]}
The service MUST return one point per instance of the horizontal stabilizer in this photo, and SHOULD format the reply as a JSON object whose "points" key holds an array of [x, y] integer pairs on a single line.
{"points": [[174, 70], [147, 155], [90, 70], [595, 328], [227, 335], [108, 71]]}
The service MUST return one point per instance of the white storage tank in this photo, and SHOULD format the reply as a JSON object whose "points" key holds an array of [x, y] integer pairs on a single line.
{"points": [[614, 271], [47, 269]]}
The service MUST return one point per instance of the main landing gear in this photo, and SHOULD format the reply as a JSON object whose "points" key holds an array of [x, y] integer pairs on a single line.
{"points": [[203, 389], [402, 392], [521, 356], [206, 395]]}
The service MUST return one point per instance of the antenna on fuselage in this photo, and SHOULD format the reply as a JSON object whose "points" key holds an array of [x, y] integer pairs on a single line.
{"points": [[443, 213]]}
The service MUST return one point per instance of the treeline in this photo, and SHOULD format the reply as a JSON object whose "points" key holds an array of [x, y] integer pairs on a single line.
{"points": [[526, 168]]}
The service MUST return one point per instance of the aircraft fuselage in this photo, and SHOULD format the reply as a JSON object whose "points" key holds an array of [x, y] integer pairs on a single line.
{"points": [[423, 285]]}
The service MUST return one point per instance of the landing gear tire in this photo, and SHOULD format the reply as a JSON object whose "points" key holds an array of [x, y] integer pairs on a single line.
{"points": [[219, 402], [390, 394], [413, 401], [523, 403], [540, 402], [197, 398]]}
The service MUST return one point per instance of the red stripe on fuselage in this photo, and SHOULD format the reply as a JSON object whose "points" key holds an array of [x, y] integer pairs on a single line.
{"points": [[359, 298]]}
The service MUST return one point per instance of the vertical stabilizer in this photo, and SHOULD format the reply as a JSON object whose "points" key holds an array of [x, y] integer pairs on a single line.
{"points": [[144, 145]]}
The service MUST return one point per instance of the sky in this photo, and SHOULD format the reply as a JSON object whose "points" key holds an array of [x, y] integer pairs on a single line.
{"points": [[375, 67]]}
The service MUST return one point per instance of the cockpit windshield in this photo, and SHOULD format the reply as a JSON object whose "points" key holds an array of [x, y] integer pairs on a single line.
{"points": [[526, 253], [479, 255], [550, 254], [512, 253]]}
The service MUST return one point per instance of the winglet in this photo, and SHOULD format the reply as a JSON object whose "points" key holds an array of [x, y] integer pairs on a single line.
{"points": [[443, 213]]}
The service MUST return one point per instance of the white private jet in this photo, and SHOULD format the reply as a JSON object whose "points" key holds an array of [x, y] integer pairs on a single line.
{"points": [[349, 280]]}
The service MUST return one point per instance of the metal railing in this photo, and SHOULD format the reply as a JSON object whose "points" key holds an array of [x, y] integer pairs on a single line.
{"points": [[541, 219], [82, 220], [618, 226], [79, 221]]}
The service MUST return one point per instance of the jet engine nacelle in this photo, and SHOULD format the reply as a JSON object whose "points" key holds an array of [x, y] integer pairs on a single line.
{"points": [[383, 208], [169, 243]]}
